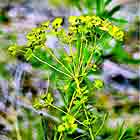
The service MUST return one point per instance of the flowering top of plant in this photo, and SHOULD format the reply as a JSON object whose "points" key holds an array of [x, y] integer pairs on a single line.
{"points": [[36, 37], [57, 23], [91, 22], [85, 24], [85, 27]]}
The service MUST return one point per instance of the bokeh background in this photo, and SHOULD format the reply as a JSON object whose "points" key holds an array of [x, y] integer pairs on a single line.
{"points": [[20, 83]]}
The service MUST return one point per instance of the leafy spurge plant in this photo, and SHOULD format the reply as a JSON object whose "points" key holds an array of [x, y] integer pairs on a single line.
{"points": [[78, 55]]}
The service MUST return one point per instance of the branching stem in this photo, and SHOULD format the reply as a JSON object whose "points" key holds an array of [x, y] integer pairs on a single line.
{"points": [[44, 62], [90, 129], [51, 53]]}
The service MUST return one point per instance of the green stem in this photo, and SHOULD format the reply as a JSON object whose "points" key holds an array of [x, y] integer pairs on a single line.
{"points": [[121, 135], [105, 116], [123, 131], [66, 113], [80, 61], [80, 136], [90, 58], [71, 52], [50, 65], [90, 130], [55, 135], [77, 111], [58, 109], [60, 136], [17, 130], [51, 53], [48, 82], [88, 62], [71, 102]]}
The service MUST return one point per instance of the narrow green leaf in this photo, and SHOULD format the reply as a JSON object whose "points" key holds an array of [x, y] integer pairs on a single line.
{"points": [[44, 126], [114, 10], [119, 20], [99, 7], [107, 2]]}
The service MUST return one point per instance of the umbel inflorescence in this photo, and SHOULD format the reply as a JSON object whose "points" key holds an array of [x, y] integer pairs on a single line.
{"points": [[81, 26]]}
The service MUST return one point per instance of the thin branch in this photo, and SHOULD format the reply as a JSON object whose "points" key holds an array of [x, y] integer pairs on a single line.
{"points": [[90, 130], [105, 116], [44, 62], [51, 53]]}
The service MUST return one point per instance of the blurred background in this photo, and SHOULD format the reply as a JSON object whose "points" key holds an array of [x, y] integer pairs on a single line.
{"points": [[20, 83]]}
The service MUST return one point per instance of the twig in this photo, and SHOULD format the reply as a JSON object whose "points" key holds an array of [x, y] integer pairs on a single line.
{"points": [[44, 62]]}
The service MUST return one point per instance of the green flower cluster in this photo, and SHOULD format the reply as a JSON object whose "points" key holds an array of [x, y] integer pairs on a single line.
{"points": [[68, 124], [13, 49], [84, 27], [98, 84], [36, 37], [44, 101], [57, 23], [89, 23]]}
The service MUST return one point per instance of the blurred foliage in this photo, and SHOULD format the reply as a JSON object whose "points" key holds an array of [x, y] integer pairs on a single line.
{"points": [[98, 7]]}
